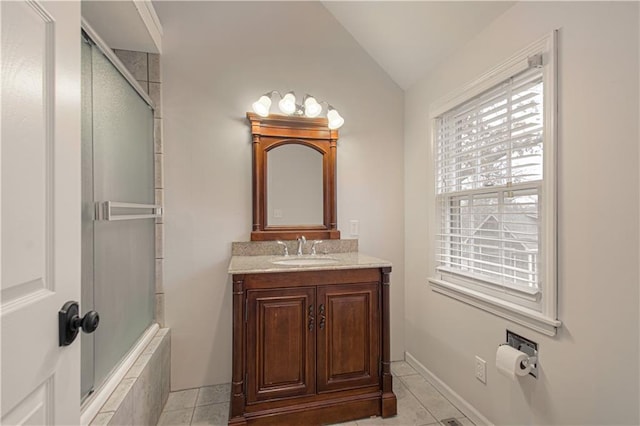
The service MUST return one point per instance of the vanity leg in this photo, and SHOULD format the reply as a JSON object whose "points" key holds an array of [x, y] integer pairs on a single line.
{"points": [[389, 403], [236, 408]]}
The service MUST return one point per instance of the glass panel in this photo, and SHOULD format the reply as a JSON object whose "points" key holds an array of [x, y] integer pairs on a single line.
{"points": [[294, 186], [124, 251], [494, 139], [86, 303], [493, 236]]}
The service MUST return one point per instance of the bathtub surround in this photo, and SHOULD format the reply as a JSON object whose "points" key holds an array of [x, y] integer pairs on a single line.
{"points": [[597, 227], [216, 59], [141, 395], [145, 68]]}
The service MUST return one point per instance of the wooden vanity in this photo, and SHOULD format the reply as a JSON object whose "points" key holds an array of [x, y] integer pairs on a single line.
{"points": [[310, 344], [310, 338]]}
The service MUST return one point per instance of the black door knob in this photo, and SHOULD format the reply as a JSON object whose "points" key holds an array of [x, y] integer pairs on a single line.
{"points": [[70, 323], [89, 322]]}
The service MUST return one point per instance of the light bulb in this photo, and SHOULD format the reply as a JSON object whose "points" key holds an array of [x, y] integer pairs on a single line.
{"points": [[335, 120], [311, 107], [262, 105], [288, 103]]}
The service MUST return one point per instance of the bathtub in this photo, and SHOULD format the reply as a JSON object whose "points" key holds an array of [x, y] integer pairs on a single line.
{"points": [[137, 390]]}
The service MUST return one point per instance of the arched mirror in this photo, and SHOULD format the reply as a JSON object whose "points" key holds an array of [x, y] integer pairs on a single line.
{"points": [[294, 193], [294, 186]]}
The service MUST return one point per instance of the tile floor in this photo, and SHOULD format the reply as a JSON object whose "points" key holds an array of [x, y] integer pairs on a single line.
{"points": [[419, 403]]}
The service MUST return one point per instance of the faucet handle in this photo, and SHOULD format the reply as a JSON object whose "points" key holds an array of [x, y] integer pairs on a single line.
{"points": [[301, 242], [286, 249], [313, 247]]}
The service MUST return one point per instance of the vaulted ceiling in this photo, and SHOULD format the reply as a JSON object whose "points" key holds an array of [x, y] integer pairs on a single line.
{"points": [[408, 38]]}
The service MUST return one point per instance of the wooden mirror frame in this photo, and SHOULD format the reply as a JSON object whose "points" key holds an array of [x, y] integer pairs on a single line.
{"points": [[277, 130]]}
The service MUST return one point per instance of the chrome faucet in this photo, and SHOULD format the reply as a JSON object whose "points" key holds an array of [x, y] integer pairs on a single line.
{"points": [[286, 250], [313, 247], [301, 241]]}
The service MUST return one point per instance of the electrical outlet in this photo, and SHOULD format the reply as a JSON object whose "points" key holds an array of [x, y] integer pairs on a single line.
{"points": [[481, 369], [354, 227]]}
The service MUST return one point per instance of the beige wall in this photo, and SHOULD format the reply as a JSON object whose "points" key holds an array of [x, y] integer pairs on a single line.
{"points": [[589, 371], [218, 57]]}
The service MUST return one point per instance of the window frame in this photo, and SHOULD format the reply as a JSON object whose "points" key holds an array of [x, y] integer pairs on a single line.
{"points": [[537, 313]]}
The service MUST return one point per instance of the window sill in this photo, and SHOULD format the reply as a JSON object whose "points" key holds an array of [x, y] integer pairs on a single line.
{"points": [[510, 311]]}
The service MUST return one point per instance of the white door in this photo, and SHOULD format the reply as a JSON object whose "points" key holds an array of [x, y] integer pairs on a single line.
{"points": [[40, 209]]}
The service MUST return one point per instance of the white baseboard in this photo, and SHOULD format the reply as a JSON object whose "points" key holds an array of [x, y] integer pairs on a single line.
{"points": [[467, 409]]}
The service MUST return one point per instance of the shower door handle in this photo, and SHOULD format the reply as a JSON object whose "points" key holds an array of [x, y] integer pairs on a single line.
{"points": [[105, 211], [70, 323]]}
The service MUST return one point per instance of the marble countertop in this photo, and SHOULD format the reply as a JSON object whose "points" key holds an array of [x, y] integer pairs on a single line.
{"points": [[264, 264]]}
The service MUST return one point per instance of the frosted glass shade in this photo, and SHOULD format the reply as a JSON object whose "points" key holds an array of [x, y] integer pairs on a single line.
{"points": [[311, 107], [288, 103], [335, 120], [261, 106]]}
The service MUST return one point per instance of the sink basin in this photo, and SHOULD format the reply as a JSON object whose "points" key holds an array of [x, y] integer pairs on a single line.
{"points": [[305, 261]]}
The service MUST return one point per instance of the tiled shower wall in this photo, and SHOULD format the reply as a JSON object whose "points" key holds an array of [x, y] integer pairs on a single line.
{"points": [[145, 68]]}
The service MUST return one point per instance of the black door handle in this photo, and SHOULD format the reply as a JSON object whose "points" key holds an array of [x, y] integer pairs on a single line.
{"points": [[70, 323]]}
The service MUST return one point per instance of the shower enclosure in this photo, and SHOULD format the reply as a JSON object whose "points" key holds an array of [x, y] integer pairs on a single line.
{"points": [[118, 214]]}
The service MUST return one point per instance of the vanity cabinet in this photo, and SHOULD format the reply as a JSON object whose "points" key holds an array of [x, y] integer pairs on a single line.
{"points": [[348, 336], [281, 344], [311, 347]]}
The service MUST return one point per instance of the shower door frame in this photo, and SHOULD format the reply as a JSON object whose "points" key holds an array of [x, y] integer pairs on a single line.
{"points": [[93, 401], [106, 50]]}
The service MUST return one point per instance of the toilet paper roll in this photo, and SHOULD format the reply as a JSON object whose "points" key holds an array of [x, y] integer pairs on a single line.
{"points": [[511, 361]]}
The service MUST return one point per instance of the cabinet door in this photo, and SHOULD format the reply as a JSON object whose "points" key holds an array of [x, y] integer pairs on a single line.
{"points": [[280, 343], [348, 351]]}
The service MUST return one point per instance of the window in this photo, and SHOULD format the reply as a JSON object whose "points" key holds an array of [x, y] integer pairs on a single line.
{"points": [[495, 191]]}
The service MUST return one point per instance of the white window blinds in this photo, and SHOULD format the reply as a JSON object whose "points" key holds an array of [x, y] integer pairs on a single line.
{"points": [[489, 155]]}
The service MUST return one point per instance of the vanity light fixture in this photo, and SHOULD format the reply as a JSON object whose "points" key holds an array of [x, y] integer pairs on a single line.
{"points": [[310, 107], [288, 103], [262, 105], [335, 119]]}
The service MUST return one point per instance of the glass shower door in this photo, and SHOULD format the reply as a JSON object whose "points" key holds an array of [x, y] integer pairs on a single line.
{"points": [[122, 251]]}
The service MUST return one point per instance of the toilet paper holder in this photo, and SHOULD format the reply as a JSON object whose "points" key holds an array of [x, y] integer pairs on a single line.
{"points": [[527, 346]]}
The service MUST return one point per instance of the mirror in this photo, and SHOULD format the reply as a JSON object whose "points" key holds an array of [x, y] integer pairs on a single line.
{"points": [[294, 184]]}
